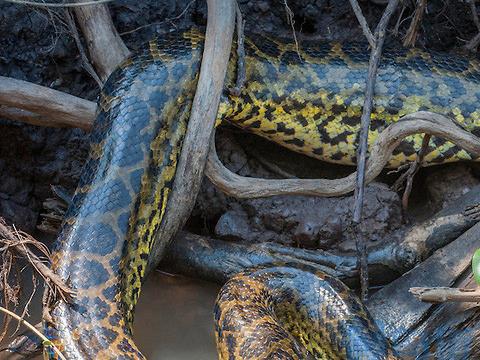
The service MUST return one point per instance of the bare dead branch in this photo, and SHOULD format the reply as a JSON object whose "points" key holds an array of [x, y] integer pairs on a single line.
{"points": [[105, 46], [412, 32], [473, 9], [231, 184], [444, 294], [363, 23], [189, 174], [55, 107], [26, 117], [20, 242]]}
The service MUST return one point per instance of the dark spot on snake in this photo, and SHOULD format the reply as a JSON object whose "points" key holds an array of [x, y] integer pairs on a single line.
{"points": [[254, 112], [231, 343], [451, 63], [377, 124], [337, 156], [114, 264], [338, 109], [269, 112], [301, 120], [265, 45], [110, 292], [350, 121], [316, 50], [418, 63], [438, 141], [357, 52], [157, 100], [405, 147], [114, 319], [283, 129], [96, 238], [96, 274], [99, 309]]}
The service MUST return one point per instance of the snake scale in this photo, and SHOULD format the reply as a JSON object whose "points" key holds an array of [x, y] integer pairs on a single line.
{"points": [[308, 100]]}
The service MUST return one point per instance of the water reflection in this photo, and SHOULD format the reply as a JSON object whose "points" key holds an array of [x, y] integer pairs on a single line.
{"points": [[174, 318], [173, 321]]}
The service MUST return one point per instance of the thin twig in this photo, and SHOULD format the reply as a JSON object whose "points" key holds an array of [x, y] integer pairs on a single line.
{"points": [[291, 22], [380, 153], [27, 304], [85, 62], [443, 294], [241, 73], [34, 330], [473, 44], [379, 38], [363, 22], [411, 172]]}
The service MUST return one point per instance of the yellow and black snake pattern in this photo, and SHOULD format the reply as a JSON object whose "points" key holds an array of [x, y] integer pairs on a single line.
{"points": [[309, 101]]}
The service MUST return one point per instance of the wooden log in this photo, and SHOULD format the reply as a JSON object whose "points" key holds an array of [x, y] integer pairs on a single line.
{"points": [[396, 310], [52, 107]]}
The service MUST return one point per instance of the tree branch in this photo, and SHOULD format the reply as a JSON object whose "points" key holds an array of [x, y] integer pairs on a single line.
{"points": [[59, 108], [375, 54], [363, 22], [104, 44]]}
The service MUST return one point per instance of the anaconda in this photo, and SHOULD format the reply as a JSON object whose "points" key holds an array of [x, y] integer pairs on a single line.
{"points": [[307, 100]]}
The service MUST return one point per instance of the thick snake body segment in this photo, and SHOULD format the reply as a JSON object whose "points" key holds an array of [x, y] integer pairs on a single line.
{"points": [[309, 101], [289, 313]]}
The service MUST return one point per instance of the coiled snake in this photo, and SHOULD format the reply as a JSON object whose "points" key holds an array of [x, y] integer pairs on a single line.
{"points": [[309, 101]]}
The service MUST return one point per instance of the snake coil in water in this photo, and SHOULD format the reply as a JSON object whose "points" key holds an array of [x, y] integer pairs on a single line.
{"points": [[309, 101]]}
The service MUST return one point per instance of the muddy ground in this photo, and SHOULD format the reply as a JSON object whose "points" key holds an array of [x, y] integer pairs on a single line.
{"points": [[36, 45]]}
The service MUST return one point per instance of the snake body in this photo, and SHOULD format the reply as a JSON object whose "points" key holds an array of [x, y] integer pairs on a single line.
{"points": [[308, 100]]}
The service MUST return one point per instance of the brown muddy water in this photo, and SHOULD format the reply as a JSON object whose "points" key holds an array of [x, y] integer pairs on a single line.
{"points": [[173, 321]]}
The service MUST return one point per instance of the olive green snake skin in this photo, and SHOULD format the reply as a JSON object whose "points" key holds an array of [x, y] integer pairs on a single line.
{"points": [[309, 101]]}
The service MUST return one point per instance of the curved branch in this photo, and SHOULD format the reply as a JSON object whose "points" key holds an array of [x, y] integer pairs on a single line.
{"points": [[419, 122], [62, 109]]}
